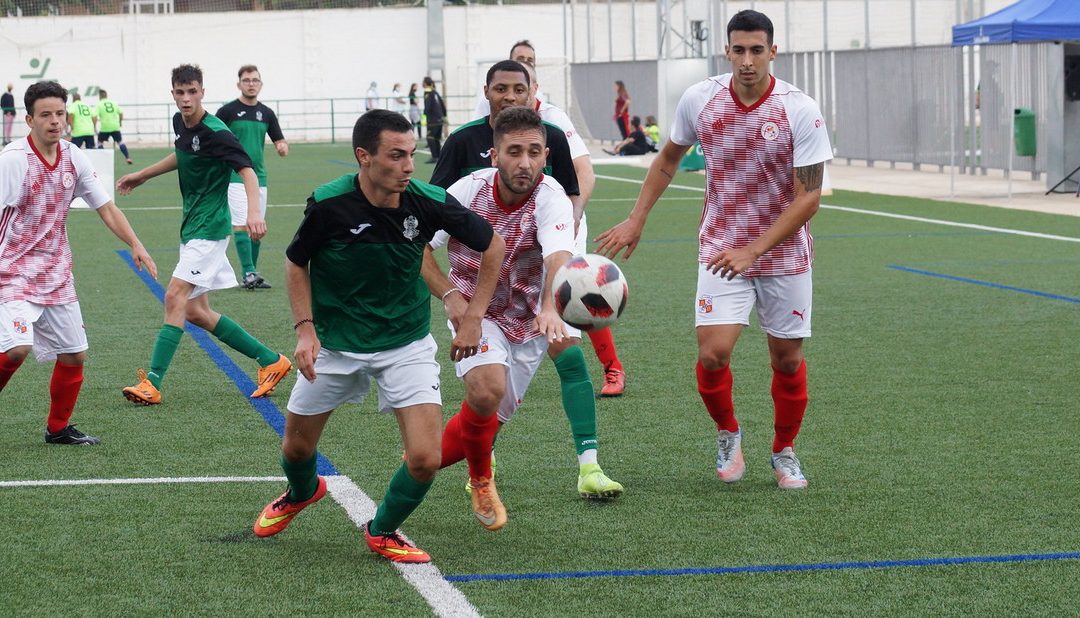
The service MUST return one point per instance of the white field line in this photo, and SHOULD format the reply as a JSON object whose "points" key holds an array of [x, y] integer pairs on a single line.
{"points": [[973, 226], [441, 595], [445, 600]]}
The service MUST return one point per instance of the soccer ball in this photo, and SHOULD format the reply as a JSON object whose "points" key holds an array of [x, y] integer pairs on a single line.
{"points": [[590, 292]]}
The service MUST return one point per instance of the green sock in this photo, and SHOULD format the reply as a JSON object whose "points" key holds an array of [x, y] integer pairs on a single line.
{"points": [[233, 335], [168, 339], [303, 481], [243, 251], [255, 244], [402, 497], [577, 397]]}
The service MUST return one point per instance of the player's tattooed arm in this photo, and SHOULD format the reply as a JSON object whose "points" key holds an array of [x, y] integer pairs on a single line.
{"points": [[810, 176]]}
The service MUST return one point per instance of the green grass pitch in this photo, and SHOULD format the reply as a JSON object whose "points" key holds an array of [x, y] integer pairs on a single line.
{"points": [[943, 422]]}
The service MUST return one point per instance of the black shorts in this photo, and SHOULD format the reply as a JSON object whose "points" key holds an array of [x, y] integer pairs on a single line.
{"points": [[83, 140], [115, 135]]}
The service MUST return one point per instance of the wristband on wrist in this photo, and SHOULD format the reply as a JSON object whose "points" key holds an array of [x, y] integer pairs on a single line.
{"points": [[302, 322], [449, 292]]}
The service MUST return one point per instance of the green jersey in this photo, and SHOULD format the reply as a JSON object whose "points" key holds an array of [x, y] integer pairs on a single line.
{"points": [[251, 124], [81, 119], [205, 156], [108, 114], [367, 294]]}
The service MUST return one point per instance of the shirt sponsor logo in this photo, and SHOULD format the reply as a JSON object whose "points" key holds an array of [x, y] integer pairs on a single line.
{"points": [[411, 225], [769, 131], [68, 179], [704, 304]]}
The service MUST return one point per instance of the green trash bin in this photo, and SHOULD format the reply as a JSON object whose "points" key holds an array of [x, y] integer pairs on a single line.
{"points": [[1024, 132], [693, 160]]}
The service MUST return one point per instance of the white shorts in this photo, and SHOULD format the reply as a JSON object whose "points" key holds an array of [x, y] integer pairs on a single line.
{"points": [[520, 359], [50, 329], [406, 376], [204, 264], [783, 302], [238, 203]]}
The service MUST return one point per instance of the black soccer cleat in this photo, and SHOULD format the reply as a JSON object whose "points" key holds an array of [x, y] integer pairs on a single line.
{"points": [[69, 435]]}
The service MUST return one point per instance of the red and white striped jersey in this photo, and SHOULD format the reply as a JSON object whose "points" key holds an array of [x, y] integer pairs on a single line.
{"points": [[35, 258], [539, 227], [750, 156]]}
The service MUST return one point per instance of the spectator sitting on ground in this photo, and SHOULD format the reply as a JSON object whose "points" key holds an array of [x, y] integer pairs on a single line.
{"points": [[652, 132], [635, 144]]}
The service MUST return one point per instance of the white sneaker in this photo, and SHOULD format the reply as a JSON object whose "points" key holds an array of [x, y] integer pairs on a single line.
{"points": [[730, 466], [788, 470]]}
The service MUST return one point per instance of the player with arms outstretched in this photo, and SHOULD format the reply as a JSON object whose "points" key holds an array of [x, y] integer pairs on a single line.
{"points": [[765, 146], [251, 121], [205, 155], [39, 177], [362, 313]]}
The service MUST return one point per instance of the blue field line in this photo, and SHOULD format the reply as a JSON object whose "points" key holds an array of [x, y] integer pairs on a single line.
{"points": [[270, 412], [769, 568], [989, 284]]}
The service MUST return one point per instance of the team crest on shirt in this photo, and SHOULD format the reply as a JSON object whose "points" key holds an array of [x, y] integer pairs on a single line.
{"points": [[68, 180], [258, 115], [769, 131], [195, 143], [21, 326], [704, 304], [411, 225]]}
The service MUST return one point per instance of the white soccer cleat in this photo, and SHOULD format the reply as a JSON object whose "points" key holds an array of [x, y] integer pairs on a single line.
{"points": [[730, 466], [788, 470]]}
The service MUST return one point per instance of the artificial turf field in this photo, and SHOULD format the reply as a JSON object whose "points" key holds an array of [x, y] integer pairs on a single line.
{"points": [[940, 441]]}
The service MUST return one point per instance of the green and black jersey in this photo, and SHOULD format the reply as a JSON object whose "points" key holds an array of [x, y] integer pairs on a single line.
{"points": [[205, 156], [469, 149], [367, 294], [251, 124]]}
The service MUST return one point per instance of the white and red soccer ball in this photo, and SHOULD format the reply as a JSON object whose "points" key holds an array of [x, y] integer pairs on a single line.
{"points": [[590, 292]]}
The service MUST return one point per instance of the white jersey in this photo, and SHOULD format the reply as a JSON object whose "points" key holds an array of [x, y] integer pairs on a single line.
{"points": [[35, 196], [539, 227], [551, 114], [750, 155]]}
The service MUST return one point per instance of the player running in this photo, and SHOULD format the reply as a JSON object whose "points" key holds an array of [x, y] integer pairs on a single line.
{"points": [[40, 174], [206, 153], [362, 313], [251, 122], [533, 214]]}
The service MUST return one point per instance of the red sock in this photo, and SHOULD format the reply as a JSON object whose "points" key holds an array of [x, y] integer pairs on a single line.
{"points": [[64, 391], [789, 400], [715, 389], [477, 436], [453, 450], [7, 369], [604, 345]]}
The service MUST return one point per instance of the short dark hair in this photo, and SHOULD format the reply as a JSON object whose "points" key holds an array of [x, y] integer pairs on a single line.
{"points": [[101, 94], [635, 121], [428, 81], [750, 21], [247, 68], [512, 66], [43, 90], [521, 43], [186, 74], [369, 127], [518, 118]]}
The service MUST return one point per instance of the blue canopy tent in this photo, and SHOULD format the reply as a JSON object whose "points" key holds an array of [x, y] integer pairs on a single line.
{"points": [[1025, 21]]}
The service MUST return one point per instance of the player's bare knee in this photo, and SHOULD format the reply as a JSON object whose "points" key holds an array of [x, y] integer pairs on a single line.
{"points": [[484, 399], [296, 449], [73, 358], [18, 354], [788, 364], [422, 466], [200, 317], [713, 358]]}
